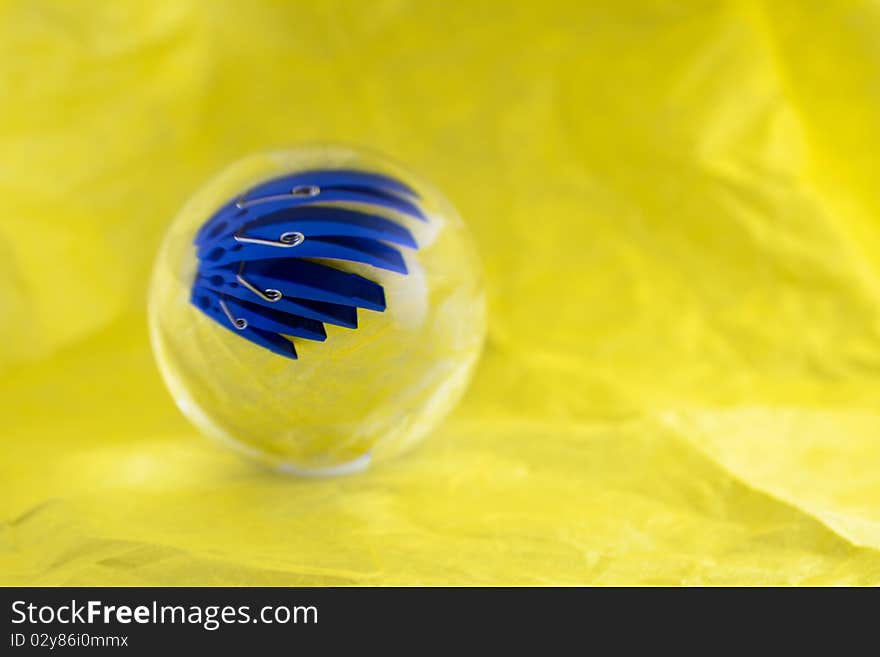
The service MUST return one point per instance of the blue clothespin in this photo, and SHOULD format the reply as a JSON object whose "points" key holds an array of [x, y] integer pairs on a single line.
{"points": [[253, 276]]}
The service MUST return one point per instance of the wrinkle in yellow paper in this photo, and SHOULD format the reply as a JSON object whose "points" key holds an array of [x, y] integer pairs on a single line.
{"points": [[676, 208]]}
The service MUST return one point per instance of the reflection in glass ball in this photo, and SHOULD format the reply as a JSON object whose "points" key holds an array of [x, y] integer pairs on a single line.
{"points": [[318, 309]]}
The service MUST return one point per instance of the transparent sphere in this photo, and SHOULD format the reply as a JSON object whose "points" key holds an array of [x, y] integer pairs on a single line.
{"points": [[378, 288]]}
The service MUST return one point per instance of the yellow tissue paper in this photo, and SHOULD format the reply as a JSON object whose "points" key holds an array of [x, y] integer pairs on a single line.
{"points": [[676, 205]]}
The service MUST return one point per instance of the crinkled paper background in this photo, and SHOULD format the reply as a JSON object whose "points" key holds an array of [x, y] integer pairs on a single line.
{"points": [[678, 207]]}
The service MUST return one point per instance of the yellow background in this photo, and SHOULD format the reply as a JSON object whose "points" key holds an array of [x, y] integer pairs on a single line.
{"points": [[677, 205]]}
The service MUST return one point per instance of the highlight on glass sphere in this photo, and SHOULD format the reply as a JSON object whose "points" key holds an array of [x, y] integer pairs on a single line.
{"points": [[317, 309]]}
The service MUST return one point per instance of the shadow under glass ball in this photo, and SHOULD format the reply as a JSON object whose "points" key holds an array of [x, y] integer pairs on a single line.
{"points": [[326, 397]]}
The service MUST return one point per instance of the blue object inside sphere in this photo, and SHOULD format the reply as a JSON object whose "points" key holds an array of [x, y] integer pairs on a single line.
{"points": [[257, 270]]}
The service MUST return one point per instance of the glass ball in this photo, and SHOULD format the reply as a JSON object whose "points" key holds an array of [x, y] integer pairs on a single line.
{"points": [[317, 309]]}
